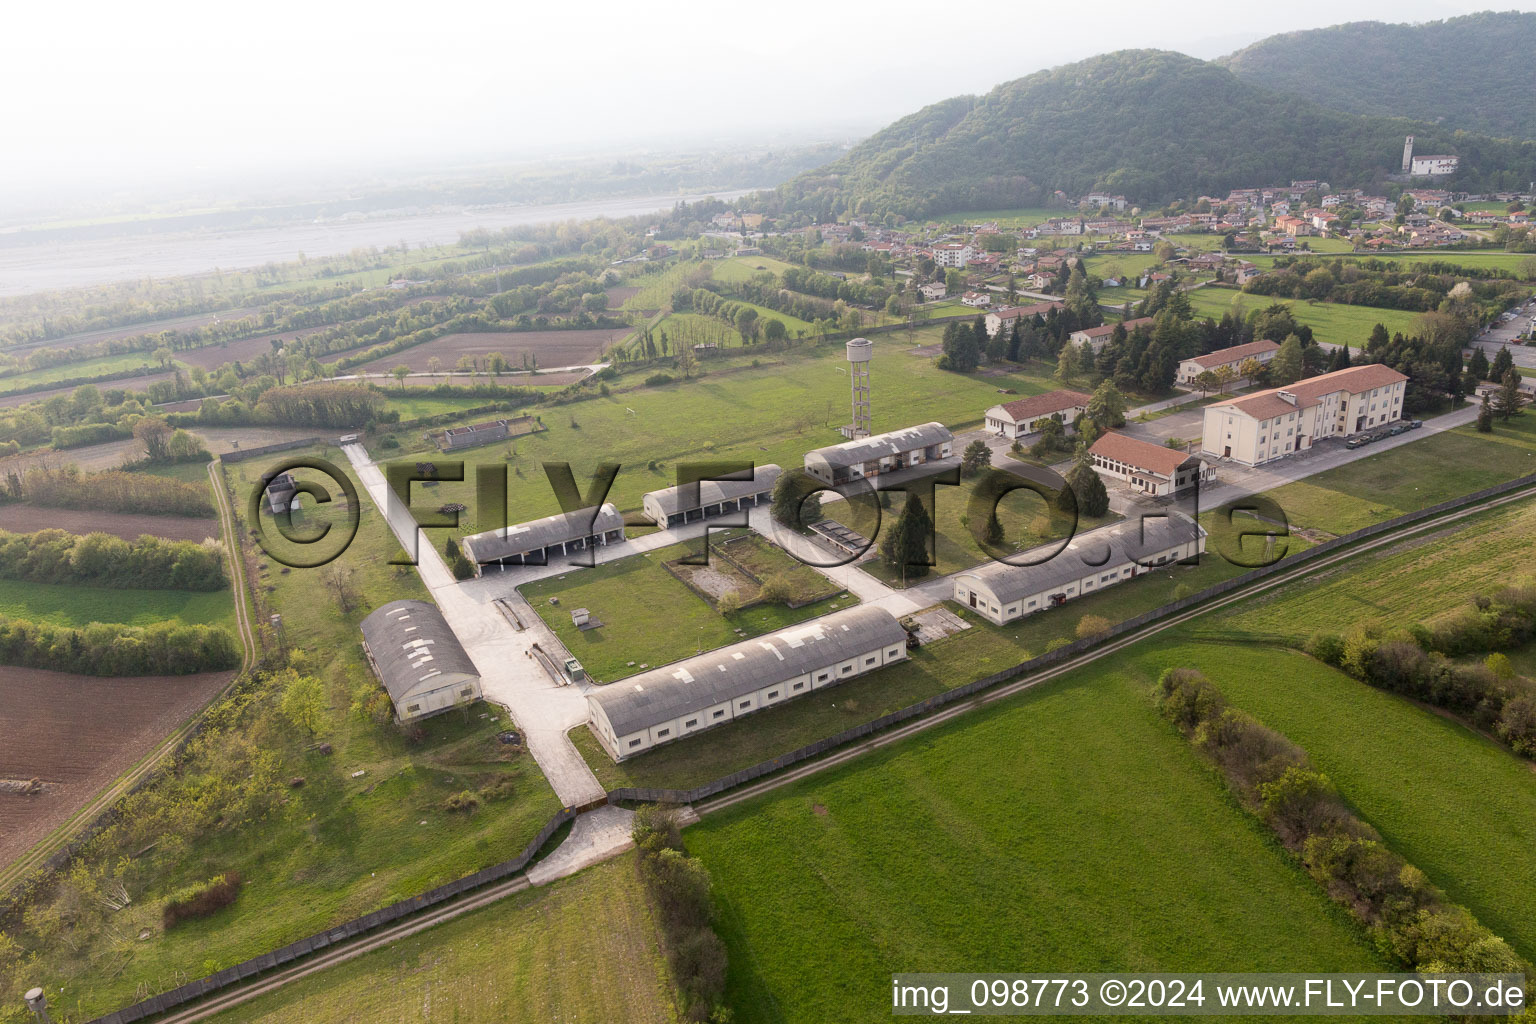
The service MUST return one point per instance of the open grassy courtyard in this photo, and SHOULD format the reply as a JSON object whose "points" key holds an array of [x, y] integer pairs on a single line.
{"points": [[651, 618]]}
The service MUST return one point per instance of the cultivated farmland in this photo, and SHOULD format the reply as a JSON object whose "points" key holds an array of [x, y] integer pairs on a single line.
{"points": [[553, 348], [75, 734], [24, 518]]}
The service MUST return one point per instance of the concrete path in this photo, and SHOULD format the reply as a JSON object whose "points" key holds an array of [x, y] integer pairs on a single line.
{"points": [[509, 674], [594, 837]]}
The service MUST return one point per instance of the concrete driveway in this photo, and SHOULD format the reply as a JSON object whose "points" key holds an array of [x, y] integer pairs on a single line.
{"points": [[1502, 334]]}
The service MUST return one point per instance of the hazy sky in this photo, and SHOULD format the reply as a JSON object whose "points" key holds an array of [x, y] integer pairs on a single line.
{"points": [[98, 94]]}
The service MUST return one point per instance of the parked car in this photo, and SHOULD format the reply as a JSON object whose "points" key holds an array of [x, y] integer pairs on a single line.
{"points": [[1397, 428], [1357, 442], [1415, 424], [1380, 435]]}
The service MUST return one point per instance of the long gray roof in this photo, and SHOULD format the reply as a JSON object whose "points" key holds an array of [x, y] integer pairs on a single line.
{"points": [[541, 533], [722, 675], [1127, 542], [414, 648], [712, 492], [878, 446]]}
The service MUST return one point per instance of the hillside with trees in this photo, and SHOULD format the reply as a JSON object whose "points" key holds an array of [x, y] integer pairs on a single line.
{"points": [[1446, 72], [1152, 125]]}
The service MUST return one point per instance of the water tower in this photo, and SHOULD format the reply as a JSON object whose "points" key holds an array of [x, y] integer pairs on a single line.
{"points": [[859, 351], [37, 1002]]}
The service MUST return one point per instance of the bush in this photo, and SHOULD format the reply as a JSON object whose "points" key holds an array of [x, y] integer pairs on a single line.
{"points": [[462, 803], [728, 603], [1326, 647], [679, 889], [657, 379], [203, 900], [776, 588], [1092, 625]]}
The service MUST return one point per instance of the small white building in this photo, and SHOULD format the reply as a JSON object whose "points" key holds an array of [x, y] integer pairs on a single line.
{"points": [[1268, 425], [1234, 357], [933, 291], [1001, 593], [677, 505], [415, 654], [1149, 468], [665, 704], [869, 457], [1023, 417], [979, 300]]}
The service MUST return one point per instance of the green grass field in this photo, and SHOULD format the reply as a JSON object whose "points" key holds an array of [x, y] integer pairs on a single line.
{"points": [[1457, 806], [649, 616], [1330, 321], [771, 413], [1410, 477], [585, 948], [1514, 262], [737, 269], [1121, 264], [1069, 830], [122, 364], [65, 604]]}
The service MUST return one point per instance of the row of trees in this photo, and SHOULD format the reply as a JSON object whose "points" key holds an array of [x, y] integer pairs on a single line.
{"points": [[1417, 662], [679, 889], [1372, 283], [162, 649], [108, 491], [1412, 920], [102, 560]]}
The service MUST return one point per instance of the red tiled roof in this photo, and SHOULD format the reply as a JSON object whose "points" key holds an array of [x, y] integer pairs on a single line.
{"points": [[1154, 458], [1027, 410], [1012, 312], [1263, 405], [1108, 329], [1235, 354]]}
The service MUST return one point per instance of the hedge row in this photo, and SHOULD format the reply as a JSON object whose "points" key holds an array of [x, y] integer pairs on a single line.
{"points": [[1409, 918], [110, 491], [163, 649], [1416, 662], [102, 560]]}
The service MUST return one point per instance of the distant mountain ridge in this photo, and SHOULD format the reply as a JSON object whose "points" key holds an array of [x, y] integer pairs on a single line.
{"points": [[1150, 124], [1475, 73]]}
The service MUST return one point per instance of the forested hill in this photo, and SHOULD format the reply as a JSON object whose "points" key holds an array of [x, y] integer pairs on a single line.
{"points": [[1149, 124], [1475, 73]]}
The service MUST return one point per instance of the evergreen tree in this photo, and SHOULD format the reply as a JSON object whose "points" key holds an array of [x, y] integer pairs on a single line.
{"points": [[961, 353], [1477, 366], [1015, 341], [976, 457], [1340, 360], [993, 534], [1508, 404], [905, 547], [1066, 365], [1107, 406], [1378, 339], [1485, 416], [1502, 364], [787, 508], [1087, 489], [1289, 363]]}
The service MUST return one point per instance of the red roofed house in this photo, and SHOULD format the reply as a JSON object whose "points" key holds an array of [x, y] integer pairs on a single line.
{"points": [[1234, 357], [1016, 419], [1267, 425], [1146, 467], [1098, 336], [1006, 315]]}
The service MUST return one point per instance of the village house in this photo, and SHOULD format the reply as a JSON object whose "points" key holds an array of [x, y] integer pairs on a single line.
{"points": [[933, 291], [1233, 357], [979, 300], [1267, 425], [1097, 337], [1149, 468], [1023, 416], [954, 255], [998, 319]]}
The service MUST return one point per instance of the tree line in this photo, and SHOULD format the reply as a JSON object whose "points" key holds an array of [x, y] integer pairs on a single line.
{"points": [[108, 491], [103, 560], [102, 649], [1410, 919], [679, 889]]}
